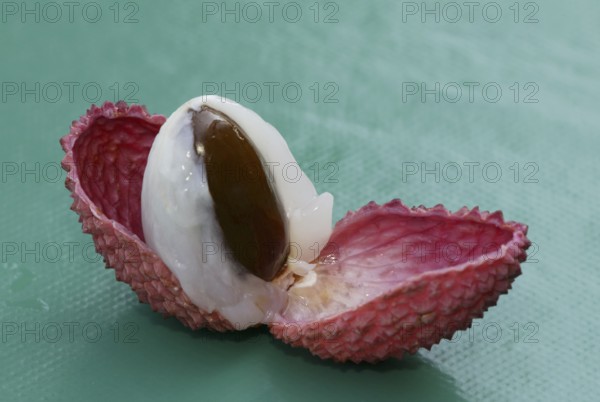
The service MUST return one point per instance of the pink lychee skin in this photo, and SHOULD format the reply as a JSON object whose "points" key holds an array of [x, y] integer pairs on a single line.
{"points": [[123, 136], [106, 154], [420, 311]]}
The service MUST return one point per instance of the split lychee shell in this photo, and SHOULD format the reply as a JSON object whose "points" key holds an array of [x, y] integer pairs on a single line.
{"points": [[429, 291], [106, 154]]}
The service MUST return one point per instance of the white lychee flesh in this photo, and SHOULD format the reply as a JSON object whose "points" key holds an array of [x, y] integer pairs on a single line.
{"points": [[180, 224]]}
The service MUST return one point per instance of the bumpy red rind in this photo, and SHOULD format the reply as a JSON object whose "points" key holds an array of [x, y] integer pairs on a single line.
{"points": [[420, 311], [119, 238]]}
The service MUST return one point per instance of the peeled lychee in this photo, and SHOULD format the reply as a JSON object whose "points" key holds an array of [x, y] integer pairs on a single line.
{"points": [[388, 280]]}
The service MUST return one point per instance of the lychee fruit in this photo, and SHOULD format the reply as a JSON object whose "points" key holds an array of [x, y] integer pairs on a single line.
{"points": [[199, 214]]}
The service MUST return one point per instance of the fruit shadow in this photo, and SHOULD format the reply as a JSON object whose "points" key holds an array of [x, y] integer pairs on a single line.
{"points": [[261, 333], [284, 367], [410, 378]]}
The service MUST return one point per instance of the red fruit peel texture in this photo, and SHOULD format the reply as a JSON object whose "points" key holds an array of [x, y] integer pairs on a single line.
{"points": [[390, 285], [106, 154], [111, 157], [375, 250]]}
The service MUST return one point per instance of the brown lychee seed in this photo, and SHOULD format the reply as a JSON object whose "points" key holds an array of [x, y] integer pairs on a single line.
{"points": [[247, 210]]}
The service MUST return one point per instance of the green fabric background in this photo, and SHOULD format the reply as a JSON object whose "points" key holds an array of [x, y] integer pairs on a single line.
{"points": [[548, 345]]}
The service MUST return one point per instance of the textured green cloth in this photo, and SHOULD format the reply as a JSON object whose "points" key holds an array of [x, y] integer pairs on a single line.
{"points": [[373, 143]]}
